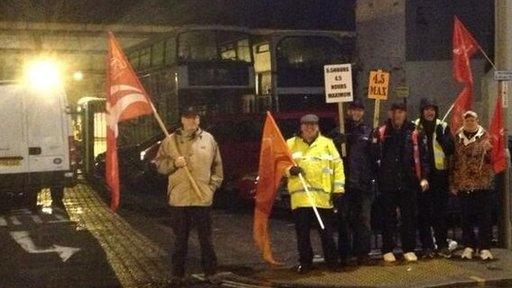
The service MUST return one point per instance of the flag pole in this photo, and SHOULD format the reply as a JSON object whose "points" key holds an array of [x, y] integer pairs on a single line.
{"points": [[187, 171], [487, 57], [311, 201], [448, 112]]}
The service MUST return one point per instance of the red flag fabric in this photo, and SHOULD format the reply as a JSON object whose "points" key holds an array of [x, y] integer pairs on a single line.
{"points": [[126, 99], [499, 161], [462, 104], [464, 47], [275, 157]]}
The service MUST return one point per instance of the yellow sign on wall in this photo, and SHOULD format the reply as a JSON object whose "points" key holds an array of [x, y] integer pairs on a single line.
{"points": [[378, 85]]}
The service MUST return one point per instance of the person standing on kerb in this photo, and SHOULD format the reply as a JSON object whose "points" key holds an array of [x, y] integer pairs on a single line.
{"points": [[354, 209], [191, 148], [471, 180], [320, 164], [401, 174], [433, 203]]}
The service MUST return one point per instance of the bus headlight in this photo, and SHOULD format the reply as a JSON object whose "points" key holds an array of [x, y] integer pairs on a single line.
{"points": [[43, 74]]}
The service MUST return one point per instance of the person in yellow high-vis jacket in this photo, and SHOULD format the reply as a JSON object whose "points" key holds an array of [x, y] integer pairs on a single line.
{"points": [[320, 163]]}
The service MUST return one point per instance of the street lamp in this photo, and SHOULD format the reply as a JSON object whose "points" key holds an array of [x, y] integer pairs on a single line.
{"points": [[78, 75], [43, 74]]}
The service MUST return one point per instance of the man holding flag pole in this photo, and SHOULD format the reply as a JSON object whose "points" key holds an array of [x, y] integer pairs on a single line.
{"points": [[315, 179], [127, 99]]}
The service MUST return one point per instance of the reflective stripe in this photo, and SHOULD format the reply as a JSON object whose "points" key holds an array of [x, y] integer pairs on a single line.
{"points": [[327, 170], [312, 189], [316, 158]]}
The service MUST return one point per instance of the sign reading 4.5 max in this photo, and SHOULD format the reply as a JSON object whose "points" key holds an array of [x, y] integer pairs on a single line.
{"points": [[378, 85], [338, 83]]}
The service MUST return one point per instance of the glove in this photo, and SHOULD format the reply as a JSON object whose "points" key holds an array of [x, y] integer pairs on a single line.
{"points": [[439, 132], [340, 138], [375, 135], [295, 170], [337, 201], [336, 198]]}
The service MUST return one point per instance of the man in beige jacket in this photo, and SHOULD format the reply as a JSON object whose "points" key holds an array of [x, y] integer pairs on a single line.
{"points": [[190, 193]]}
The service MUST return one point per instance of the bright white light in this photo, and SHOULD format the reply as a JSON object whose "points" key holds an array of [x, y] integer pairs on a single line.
{"points": [[43, 74], [78, 75]]}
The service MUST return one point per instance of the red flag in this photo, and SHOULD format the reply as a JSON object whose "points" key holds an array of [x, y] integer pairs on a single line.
{"points": [[462, 104], [126, 99], [499, 162], [275, 157], [464, 47]]}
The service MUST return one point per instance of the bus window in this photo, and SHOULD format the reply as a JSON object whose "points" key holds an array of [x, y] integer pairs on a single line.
{"points": [[228, 51], [170, 51], [157, 54], [197, 46], [300, 60], [145, 57], [134, 59], [243, 51]]}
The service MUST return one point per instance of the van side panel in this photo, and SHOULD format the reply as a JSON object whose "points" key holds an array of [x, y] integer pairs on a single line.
{"points": [[13, 142], [48, 130]]}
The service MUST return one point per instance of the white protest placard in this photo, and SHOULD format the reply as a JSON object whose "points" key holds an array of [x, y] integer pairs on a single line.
{"points": [[338, 83]]}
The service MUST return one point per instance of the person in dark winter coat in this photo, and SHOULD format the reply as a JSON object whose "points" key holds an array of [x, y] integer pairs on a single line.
{"points": [[402, 170], [354, 208], [432, 204]]}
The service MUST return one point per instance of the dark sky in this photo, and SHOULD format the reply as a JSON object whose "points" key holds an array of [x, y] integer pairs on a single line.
{"points": [[299, 14]]}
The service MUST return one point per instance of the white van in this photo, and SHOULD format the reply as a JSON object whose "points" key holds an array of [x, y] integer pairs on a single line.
{"points": [[36, 144]]}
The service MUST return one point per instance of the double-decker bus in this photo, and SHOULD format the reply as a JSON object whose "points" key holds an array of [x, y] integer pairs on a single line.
{"points": [[209, 67]]}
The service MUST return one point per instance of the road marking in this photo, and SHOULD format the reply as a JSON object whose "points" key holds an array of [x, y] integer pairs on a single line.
{"points": [[15, 220], [60, 219], [3, 222], [37, 219], [477, 279], [24, 240]]}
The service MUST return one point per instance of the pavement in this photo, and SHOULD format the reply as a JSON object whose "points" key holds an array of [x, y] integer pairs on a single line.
{"points": [[131, 249]]}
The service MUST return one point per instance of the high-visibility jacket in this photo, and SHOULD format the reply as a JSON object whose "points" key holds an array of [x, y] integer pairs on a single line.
{"points": [[323, 172], [439, 155]]}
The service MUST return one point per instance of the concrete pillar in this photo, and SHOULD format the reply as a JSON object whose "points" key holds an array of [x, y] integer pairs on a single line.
{"points": [[503, 52]]}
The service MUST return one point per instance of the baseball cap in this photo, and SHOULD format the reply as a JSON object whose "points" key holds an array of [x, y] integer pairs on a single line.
{"points": [[189, 111]]}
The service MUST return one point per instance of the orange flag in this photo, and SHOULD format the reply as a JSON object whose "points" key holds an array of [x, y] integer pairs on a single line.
{"points": [[126, 99], [275, 157]]}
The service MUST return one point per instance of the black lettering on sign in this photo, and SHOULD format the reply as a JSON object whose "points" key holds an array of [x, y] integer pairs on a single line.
{"points": [[338, 78], [339, 86], [379, 79], [338, 95], [376, 90], [336, 69]]}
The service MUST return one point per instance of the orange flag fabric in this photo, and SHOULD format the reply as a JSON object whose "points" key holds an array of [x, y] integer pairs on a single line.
{"points": [[126, 99], [275, 157]]}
